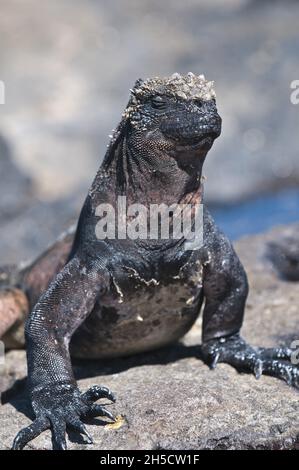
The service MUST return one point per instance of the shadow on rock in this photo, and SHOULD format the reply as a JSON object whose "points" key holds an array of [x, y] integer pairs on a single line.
{"points": [[16, 395]]}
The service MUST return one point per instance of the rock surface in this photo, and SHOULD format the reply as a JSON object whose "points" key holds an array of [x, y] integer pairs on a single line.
{"points": [[171, 400]]}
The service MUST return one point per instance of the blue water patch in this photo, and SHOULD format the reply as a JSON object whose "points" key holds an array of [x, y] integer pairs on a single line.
{"points": [[259, 214]]}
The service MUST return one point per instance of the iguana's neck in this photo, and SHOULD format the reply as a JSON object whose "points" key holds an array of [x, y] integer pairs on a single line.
{"points": [[147, 176]]}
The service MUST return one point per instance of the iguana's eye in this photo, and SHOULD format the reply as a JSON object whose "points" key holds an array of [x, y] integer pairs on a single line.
{"points": [[158, 102]]}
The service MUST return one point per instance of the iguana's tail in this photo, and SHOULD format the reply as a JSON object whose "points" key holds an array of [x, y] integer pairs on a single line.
{"points": [[21, 286], [14, 303]]}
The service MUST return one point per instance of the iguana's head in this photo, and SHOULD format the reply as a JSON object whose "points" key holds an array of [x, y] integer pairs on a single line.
{"points": [[168, 127], [175, 114]]}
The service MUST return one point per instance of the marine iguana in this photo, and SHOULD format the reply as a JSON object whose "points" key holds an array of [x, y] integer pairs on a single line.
{"points": [[115, 297]]}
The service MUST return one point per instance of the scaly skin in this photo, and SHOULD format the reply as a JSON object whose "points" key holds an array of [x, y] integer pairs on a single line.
{"points": [[117, 297]]}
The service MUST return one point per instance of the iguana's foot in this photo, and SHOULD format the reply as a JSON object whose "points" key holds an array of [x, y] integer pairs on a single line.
{"points": [[63, 405], [235, 351]]}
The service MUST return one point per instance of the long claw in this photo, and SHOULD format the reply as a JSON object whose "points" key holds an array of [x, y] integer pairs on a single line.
{"points": [[61, 445], [111, 396], [58, 432], [30, 432], [98, 410], [96, 392], [84, 431], [215, 360], [258, 369], [288, 377], [77, 425]]}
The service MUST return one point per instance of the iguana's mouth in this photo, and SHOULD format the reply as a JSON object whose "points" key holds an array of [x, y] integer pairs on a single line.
{"points": [[197, 141]]}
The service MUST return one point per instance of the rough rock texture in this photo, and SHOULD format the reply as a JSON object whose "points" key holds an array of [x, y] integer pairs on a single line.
{"points": [[171, 400]]}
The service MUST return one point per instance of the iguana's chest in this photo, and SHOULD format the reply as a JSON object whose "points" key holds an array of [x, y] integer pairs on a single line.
{"points": [[141, 313]]}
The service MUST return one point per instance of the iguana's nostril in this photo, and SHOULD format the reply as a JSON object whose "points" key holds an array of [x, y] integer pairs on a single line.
{"points": [[198, 103]]}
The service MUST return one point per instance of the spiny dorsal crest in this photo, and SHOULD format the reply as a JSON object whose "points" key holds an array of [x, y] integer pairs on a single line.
{"points": [[186, 87]]}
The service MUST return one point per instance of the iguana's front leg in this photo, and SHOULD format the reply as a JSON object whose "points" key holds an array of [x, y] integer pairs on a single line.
{"points": [[225, 291], [56, 399]]}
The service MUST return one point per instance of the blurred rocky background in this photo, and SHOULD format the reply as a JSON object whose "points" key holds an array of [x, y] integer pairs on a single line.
{"points": [[68, 65]]}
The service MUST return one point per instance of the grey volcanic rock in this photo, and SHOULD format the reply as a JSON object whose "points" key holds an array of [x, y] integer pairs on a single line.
{"points": [[170, 400]]}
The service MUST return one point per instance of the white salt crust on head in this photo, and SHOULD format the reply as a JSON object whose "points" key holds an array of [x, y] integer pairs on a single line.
{"points": [[186, 87]]}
